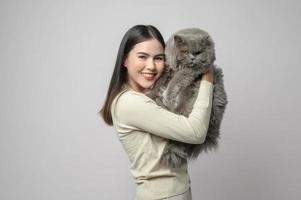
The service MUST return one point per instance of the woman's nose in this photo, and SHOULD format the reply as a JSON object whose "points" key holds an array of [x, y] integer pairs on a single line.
{"points": [[151, 64]]}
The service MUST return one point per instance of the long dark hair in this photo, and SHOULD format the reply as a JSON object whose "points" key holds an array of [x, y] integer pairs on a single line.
{"points": [[133, 36]]}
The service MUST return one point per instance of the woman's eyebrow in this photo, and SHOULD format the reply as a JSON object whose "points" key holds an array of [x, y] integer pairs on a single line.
{"points": [[140, 52], [161, 54]]}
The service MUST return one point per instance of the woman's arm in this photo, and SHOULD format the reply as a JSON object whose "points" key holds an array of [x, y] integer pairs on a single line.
{"points": [[209, 75], [136, 111]]}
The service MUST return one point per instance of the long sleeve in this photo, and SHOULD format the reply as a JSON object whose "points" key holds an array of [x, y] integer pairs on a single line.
{"points": [[136, 111]]}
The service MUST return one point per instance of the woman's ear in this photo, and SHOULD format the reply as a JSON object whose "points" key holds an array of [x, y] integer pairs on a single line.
{"points": [[125, 62]]}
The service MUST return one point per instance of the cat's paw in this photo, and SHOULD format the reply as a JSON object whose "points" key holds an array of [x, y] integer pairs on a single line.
{"points": [[170, 102], [165, 98]]}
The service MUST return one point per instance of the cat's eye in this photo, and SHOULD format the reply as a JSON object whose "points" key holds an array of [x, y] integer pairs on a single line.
{"points": [[198, 52], [184, 51]]}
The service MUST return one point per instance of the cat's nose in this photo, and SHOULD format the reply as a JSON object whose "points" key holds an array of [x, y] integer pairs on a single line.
{"points": [[191, 57]]}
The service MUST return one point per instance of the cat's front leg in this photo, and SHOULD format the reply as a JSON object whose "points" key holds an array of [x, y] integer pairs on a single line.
{"points": [[179, 82], [170, 99]]}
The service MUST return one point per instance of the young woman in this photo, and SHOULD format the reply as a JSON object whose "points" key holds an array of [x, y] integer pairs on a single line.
{"points": [[143, 127]]}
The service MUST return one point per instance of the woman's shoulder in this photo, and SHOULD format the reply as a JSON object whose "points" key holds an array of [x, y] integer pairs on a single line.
{"points": [[129, 103], [128, 98], [127, 93], [131, 98]]}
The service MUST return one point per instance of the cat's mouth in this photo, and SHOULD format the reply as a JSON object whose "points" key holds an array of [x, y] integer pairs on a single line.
{"points": [[201, 63], [191, 64]]}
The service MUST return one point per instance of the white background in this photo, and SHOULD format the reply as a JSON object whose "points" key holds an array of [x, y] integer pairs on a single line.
{"points": [[56, 61]]}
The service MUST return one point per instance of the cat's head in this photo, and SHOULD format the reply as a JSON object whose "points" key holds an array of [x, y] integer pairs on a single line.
{"points": [[191, 47]]}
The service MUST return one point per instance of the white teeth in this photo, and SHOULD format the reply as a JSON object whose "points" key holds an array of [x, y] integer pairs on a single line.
{"points": [[148, 74]]}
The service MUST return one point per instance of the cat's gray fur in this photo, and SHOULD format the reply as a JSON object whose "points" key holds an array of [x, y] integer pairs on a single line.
{"points": [[189, 54]]}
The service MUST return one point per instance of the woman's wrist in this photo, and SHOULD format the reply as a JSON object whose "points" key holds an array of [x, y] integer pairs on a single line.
{"points": [[208, 76]]}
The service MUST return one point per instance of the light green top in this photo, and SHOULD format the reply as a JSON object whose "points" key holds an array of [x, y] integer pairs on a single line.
{"points": [[144, 128]]}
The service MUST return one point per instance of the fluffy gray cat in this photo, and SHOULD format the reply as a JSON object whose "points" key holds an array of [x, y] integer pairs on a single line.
{"points": [[189, 54]]}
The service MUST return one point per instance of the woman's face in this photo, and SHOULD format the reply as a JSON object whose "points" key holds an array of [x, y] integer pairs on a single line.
{"points": [[145, 64]]}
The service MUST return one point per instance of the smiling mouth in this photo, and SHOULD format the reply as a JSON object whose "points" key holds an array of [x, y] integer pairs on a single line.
{"points": [[149, 76]]}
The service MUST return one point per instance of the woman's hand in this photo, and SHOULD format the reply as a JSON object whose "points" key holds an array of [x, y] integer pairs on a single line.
{"points": [[209, 75]]}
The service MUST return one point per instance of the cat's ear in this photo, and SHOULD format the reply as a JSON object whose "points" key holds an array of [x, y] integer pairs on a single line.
{"points": [[178, 39], [207, 41]]}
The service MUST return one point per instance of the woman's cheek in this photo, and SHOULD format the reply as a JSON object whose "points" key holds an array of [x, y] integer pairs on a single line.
{"points": [[162, 66]]}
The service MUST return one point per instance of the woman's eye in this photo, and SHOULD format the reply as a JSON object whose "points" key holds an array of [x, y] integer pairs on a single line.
{"points": [[159, 58], [142, 57]]}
